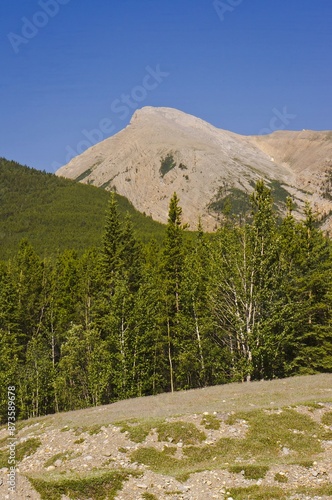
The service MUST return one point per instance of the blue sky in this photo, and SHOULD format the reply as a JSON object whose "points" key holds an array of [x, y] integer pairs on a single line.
{"points": [[73, 71]]}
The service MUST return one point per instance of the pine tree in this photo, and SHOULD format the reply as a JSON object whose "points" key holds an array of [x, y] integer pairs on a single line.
{"points": [[195, 316], [9, 362], [121, 276], [111, 243], [173, 257], [310, 292]]}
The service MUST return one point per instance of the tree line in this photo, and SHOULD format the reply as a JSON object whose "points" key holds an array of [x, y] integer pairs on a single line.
{"points": [[251, 301]]}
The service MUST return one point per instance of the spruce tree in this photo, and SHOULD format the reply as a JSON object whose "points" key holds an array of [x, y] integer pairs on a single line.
{"points": [[173, 257]]}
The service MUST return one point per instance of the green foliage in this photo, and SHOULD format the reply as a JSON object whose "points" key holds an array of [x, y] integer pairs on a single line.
{"points": [[258, 493], [268, 433], [64, 457], [210, 422], [327, 418], [26, 448], [159, 461], [149, 496], [326, 187], [167, 164], [129, 319], [84, 175], [250, 471], [56, 213], [276, 493], [99, 485], [83, 369], [137, 431], [178, 431], [79, 441], [280, 478], [279, 193], [230, 202]]}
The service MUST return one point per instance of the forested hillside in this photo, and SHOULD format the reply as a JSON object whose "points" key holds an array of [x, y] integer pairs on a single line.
{"points": [[129, 319], [55, 213]]}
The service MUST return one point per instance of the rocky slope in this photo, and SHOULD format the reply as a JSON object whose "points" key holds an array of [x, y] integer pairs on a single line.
{"points": [[164, 150], [97, 444]]}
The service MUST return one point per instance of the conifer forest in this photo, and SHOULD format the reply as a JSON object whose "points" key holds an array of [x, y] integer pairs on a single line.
{"points": [[251, 301]]}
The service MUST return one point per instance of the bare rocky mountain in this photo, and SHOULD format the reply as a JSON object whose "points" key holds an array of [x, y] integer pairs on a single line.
{"points": [[164, 150]]}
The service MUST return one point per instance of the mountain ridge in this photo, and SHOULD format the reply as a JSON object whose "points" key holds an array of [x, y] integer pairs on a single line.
{"points": [[163, 150]]}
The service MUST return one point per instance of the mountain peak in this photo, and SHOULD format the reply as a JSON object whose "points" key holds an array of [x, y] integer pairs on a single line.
{"points": [[164, 150], [170, 115]]}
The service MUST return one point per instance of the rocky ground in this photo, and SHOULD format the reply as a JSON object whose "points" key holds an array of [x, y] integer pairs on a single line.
{"points": [[78, 448]]}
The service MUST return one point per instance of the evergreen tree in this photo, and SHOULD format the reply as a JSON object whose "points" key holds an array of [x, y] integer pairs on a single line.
{"points": [[9, 363], [310, 295], [172, 267], [195, 316]]}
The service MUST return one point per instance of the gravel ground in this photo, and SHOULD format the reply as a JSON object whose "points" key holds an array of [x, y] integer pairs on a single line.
{"points": [[111, 449]]}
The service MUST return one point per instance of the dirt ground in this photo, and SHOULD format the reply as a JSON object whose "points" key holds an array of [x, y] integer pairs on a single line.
{"points": [[66, 435]]}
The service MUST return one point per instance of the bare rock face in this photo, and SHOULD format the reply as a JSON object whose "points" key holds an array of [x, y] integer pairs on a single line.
{"points": [[164, 150]]}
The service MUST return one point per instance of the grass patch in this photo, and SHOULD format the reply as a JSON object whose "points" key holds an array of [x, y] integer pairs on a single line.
{"points": [[149, 496], [98, 485], [21, 424], [92, 430], [70, 455], [276, 493], [303, 463], [137, 431], [3, 442], [170, 450], [327, 418], [27, 448], [3, 459], [210, 422], [258, 493], [79, 441], [175, 432], [311, 405], [324, 490], [159, 461], [279, 477], [268, 433], [250, 471], [22, 450]]}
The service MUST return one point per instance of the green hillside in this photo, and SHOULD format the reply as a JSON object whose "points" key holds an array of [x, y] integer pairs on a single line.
{"points": [[55, 213]]}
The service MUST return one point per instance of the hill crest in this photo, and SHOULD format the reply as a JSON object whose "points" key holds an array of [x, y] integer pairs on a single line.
{"points": [[164, 150]]}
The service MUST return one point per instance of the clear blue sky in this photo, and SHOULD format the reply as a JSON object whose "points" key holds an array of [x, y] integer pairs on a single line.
{"points": [[66, 65]]}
